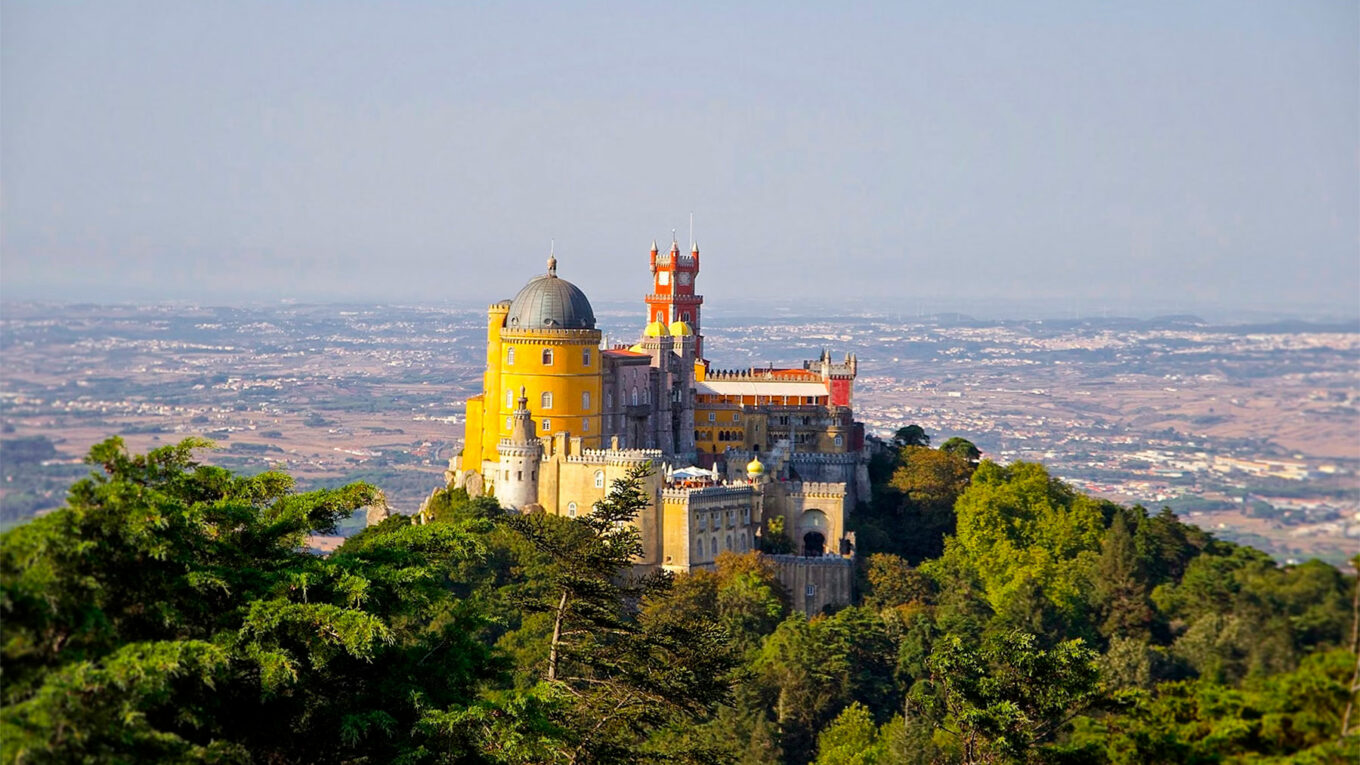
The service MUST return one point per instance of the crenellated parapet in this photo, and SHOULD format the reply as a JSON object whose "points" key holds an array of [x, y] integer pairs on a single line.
{"points": [[816, 489], [825, 458], [617, 457], [715, 494]]}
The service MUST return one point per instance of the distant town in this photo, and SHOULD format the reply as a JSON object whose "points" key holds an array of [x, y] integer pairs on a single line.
{"points": [[1250, 431]]}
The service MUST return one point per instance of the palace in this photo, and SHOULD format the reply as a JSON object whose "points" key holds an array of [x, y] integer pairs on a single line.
{"points": [[561, 416]]}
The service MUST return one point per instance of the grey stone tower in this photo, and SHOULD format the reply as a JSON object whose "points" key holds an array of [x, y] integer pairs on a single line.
{"points": [[517, 484]]}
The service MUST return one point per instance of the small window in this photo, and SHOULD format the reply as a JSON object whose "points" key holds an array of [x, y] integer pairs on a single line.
{"points": [[741, 540], [519, 475], [712, 416], [840, 440], [685, 317], [571, 509], [635, 397], [510, 355], [645, 394], [585, 400], [599, 479], [585, 357], [699, 547], [509, 423], [585, 425], [609, 399], [547, 357], [729, 542], [702, 523], [509, 398], [810, 591], [736, 417], [546, 398], [547, 424]]}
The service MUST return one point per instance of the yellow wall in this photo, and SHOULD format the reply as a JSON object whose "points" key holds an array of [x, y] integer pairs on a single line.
{"points": [[472, 435], [567, 378]]}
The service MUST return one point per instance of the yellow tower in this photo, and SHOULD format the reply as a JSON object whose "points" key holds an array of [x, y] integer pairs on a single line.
{"points": [[545, 344]]}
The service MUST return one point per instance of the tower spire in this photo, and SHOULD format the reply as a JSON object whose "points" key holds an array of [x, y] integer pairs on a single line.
{"points": [[552, 257]]}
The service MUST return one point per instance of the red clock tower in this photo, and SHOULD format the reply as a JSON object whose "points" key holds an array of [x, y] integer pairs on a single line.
{"points": [[673, 298]]}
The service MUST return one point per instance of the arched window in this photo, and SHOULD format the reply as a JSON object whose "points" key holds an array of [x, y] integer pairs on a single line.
{"points": [[609, 399], [599, 479], [645, 396], [585, 400], [685, 317], [510, 355], [585, 357], [840, 440], [508, 423], [713, 545], [699, 548], [509, 398], [571, 509], [547, 357], [547, 424], [729, 541], [585, 425], [635, 398], [546, 399]]}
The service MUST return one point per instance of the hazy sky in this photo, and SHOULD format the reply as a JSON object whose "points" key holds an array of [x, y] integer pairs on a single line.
{"points": [[1184, 154]]}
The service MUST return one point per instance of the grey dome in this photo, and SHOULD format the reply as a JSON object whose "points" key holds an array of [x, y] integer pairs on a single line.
{"points": [[550, 303]]}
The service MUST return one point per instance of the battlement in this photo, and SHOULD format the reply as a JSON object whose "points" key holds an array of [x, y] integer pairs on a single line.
{"points": [[816, 489], [508, 448], [683, 259], [616, 457], [804, 560], [708, 494], [761, 375], [825, 458], [551, 336], [500, 306]]}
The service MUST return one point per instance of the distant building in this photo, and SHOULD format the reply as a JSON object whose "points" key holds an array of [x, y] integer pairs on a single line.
{"points": [[560, 417]]}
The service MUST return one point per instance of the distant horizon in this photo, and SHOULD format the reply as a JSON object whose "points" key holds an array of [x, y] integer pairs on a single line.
{"points": [[1014, 311]]}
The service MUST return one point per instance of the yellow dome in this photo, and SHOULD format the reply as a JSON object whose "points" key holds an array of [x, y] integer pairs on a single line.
{"points": [[655, 329], [638, 349], [681, 329], [754, 467]]}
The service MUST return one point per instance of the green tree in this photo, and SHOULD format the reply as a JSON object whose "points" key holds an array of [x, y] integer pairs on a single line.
{"points": [[1021, 532], [911, 435], [1003, 698], [851, 739], [1120, 589], [623, 672], [962, 447], [170, 611]]}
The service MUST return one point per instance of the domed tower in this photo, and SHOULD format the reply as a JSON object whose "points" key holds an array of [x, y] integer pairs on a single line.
{"points": [[544, 346], [550, 349], [517, 479]]}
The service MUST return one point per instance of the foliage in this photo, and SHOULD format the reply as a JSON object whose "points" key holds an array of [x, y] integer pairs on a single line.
{"points": [[1004, 696], [170, 613], [910, 435]]}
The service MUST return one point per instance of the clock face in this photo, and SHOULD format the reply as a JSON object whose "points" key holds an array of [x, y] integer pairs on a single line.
{"points": [[683, 278]]}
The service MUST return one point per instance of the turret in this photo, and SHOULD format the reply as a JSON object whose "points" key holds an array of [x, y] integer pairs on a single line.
{"points": [[520, 454]]}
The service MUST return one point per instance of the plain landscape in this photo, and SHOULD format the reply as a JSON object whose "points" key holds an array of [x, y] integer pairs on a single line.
{"points": [[1251, 431]]}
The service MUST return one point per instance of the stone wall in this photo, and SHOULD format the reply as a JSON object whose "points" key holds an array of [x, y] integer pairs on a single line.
{"points": [[815, 584]]}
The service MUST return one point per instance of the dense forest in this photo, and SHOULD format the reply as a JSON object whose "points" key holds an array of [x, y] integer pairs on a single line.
{"points": [[170, 612]]}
